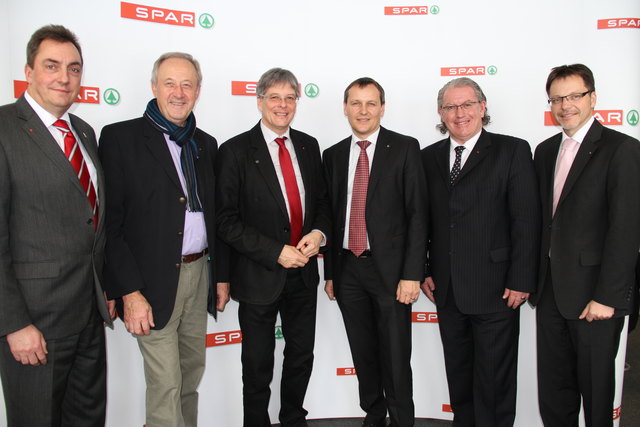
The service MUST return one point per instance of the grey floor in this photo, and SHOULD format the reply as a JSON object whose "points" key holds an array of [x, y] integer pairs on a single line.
{"points": [[630, 399]]}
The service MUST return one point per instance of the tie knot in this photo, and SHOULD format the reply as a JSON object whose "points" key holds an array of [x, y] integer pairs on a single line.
{"points": [[459, 149], [62, 126], [364, 144], [280, 141]]}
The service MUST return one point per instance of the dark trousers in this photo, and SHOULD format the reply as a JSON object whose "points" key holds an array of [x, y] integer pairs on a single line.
{"points": [[379, 332], [70, 390], [481, 361], [297, 308], [575, 358]]}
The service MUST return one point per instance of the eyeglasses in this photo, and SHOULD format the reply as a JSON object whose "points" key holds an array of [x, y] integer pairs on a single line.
{"points": [[465, 107], [277, 99], [574, 97]]}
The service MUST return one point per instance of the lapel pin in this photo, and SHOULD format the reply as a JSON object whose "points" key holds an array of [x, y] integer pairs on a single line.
{"points": [[84, 134], [30, 130], [388, 146], [257, 161], [477, 151]]}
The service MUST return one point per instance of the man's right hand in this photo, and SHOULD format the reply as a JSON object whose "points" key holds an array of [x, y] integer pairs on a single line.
{"points": [[290, 257], [328, 288], [28, 346], [428, 287], [138, 316]]}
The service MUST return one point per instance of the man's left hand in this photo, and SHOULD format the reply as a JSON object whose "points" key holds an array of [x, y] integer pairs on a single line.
{"points": [[408, 291], [309, 245], [222, 292], [596, 311], [515, 298]]}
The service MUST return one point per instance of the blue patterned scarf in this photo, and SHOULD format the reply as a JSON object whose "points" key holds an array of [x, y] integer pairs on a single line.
{"points": [[183, 136]]}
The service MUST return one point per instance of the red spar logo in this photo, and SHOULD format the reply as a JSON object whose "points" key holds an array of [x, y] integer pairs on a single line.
{"points": [[424, 317], [87, 95], [224, 338], [156, 14], [606, 117], [606, 24]]}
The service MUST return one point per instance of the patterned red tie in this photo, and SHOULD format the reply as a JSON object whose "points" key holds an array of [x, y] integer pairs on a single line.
{"points": [[293, 194], [74, 154], [357, 223]]}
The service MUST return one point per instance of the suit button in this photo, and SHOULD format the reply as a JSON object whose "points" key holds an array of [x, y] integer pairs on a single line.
{"points": [[178, 265], [286, 229], [452, 225], [179, 233], [182, 200], [90, 221]]}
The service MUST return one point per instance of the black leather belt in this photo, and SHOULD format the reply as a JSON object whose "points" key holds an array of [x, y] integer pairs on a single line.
{"points": [[194, 257]]}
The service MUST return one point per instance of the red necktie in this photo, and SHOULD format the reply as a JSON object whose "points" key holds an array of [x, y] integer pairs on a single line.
{"points": [[357, 223], [293, 194], [565, 160], [74, 154]]}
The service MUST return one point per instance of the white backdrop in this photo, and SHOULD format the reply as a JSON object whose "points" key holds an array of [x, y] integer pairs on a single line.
{"points": [[507, 46]]}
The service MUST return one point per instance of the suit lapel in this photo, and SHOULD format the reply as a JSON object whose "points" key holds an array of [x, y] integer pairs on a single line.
{"points": [[480, 150], [157, 144], [587, 149], [341, 164], [302, 154], [91, 148], [40, 135], [382, 158], [548, 175], [442, 161], [262, 159]]}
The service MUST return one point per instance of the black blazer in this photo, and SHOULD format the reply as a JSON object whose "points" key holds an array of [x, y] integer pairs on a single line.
{"points": [[252, 214], [483, 232], [395, 208], [51, 258], [145, 213], [595, 234]]}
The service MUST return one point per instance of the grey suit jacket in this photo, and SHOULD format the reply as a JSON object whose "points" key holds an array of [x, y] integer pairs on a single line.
{"points": [[51, 258]]}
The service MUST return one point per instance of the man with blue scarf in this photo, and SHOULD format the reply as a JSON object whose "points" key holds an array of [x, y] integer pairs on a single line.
{"points": [[162, 256]]}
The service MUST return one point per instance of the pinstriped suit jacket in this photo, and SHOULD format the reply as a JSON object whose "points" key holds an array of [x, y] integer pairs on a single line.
{"points": [[51, 259], [484, 231]]}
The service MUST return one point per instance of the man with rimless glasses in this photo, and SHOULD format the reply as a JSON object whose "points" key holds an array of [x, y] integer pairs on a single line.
{"points": [[589, 180], [273, 211], [484, 228]]}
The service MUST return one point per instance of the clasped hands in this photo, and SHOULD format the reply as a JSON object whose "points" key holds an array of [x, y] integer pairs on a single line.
{"points": [[298, 256]]}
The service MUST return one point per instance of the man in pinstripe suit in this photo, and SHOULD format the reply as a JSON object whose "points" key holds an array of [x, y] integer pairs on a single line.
{"points": [[483, 233]]}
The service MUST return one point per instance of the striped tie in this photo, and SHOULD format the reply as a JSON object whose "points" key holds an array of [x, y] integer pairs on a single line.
{"points": [[74, 154]]}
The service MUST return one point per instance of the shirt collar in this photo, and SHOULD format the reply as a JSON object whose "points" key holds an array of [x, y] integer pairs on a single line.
{"points": [[46, 117], [580, 134], [373, 138], [270, 136], [471, 142]]}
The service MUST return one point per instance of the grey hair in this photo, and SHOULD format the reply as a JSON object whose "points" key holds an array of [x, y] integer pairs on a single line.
{"points": [[276, 76], [177, 55], [462, 82]]}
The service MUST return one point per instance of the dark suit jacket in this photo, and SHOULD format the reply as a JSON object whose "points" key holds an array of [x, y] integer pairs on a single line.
{"points": [[595, 233], [252, 214], [394, 212], [145, 213], [483, 232], [51, 258]]}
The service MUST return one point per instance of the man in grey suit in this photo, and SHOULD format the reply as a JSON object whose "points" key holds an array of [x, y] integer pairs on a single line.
{"points": [[52, 307]]}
